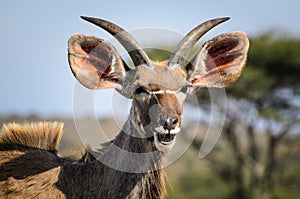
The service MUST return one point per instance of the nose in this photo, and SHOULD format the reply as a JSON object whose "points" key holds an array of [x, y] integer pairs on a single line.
{"points": [[169, 122]]}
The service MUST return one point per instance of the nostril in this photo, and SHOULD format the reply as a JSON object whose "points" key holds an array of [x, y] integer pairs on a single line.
{"points": [[168, 123], [174, 120]]}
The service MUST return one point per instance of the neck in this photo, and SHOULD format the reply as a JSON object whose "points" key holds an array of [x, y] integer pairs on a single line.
{"points": [[133, 161]]}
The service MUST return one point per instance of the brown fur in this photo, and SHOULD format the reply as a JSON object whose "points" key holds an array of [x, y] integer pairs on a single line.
{"points": [[161, 77], [30, 167], [28, 164]]}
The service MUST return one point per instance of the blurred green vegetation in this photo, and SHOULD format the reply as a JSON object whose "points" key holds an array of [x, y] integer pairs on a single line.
{"points": [[200, 185], [277, 56], [159, 54]]}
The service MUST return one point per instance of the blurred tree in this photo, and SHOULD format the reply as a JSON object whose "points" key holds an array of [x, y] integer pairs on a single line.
{"points": [[264, 102]]}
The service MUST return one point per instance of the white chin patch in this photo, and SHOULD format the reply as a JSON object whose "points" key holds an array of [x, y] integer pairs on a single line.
{"points": [[165, 140]]}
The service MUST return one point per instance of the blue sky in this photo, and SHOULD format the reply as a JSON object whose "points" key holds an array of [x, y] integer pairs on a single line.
{"points": [[35, 77]]}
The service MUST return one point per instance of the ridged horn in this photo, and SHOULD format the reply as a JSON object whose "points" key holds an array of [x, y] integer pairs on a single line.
{"points": [[185, 45], [133, 48]]}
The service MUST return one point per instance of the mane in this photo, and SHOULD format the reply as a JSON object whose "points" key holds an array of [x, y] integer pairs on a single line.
{"points": [[41, 135]]}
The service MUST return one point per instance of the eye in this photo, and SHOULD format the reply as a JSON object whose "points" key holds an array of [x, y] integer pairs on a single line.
{"points": [[142, 95], [184, 89], [140, 90]]}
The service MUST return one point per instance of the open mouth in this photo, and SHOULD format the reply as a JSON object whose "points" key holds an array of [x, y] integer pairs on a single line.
{"points": [[165, 137]]}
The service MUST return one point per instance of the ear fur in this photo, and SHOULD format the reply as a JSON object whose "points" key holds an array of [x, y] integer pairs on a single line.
{"points": [[220, 61], [95, 63]]}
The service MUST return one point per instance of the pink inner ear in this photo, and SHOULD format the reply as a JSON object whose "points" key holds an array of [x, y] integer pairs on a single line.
{"points": [[219, 53], [88, 45], [99, 56], [220, 61]]}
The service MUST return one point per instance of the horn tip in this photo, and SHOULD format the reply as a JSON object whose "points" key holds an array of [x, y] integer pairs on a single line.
{"points": [[95, 21], [86, 18], [224, 18]]}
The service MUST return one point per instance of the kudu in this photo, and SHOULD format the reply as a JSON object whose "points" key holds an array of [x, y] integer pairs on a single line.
{"points": [[29, 163]]}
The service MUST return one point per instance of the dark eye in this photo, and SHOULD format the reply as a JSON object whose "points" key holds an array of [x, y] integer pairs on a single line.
{"points": [[140, 90], [184, 89], [142, 95]]}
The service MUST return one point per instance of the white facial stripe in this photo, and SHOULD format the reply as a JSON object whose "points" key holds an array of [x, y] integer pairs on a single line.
{"points": [[163, 92], [175, 131], [171, 92], [160, 129], [157, 92]]}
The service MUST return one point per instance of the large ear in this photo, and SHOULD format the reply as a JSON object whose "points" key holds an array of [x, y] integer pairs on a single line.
{"points": [[95, 63], [220, 61]]}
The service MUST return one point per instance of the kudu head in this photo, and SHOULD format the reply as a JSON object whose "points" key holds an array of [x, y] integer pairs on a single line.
{"points": [[157, 89]]}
